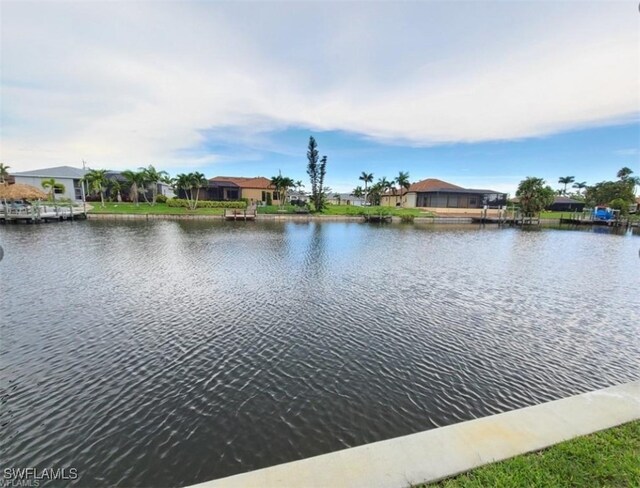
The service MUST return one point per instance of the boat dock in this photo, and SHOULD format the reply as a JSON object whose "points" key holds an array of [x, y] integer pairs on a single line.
{"points": [[40, 213], [238, 214]]}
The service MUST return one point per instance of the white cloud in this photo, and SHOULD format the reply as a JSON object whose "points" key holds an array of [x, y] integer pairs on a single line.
{"points": [[125, 84]]}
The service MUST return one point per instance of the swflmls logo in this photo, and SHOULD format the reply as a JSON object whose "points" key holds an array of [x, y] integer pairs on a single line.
{"points": [[14, 477]]}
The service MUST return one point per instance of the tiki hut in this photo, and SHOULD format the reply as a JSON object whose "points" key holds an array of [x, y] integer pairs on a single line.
{"points": [[18, 191]]}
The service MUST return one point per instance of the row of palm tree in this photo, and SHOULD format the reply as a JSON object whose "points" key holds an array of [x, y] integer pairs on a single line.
{"points": [[567, 180], [382, 186], [140, 181], [190, 183]]}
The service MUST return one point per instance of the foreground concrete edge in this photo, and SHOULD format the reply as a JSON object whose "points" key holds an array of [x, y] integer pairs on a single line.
{"points": [[439, 453]]}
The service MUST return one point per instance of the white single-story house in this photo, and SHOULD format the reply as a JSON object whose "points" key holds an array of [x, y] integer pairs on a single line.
{"points": [[344, 199], [68, 176]]}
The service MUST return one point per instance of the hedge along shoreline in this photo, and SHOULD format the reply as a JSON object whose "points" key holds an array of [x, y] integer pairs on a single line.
{"points": [[181, 202]]}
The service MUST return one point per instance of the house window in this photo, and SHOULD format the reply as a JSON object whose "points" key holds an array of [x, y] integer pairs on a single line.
{"points": [[58, 190], [264, 196], [275, 195]]}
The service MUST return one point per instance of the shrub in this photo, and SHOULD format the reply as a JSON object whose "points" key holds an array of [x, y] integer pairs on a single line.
{"points": [[181, 202], [407, 219], [161, 199]]}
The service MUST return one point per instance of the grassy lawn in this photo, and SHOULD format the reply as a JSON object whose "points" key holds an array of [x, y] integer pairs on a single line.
{"points": [[607, 458], [145, 208]]}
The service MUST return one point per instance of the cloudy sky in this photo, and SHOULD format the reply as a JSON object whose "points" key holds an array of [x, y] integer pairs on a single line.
{"points": [[478, 93]]}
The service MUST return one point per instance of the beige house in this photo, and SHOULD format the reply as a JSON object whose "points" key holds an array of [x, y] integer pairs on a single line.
{"points": [[446, 198], [257, 189]]}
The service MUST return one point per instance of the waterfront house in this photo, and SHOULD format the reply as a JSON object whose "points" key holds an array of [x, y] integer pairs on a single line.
{"points": [[566, 204], [297, 197], [224, 188], [444, 197], [344, 199], [394, 198], [68, 176]]}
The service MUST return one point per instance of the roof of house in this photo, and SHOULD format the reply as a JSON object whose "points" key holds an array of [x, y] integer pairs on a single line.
{"points": [[435, 185], [562, 199], [259, 182], [55, 172], [393, 192], [432, 184]]}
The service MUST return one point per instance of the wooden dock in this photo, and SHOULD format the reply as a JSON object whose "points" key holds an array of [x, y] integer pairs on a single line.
{"points": [[608, 222], [40, 213], [238, 214]]}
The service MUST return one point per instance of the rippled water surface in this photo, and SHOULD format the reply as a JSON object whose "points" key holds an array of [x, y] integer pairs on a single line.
{"points": [[167, 353]]}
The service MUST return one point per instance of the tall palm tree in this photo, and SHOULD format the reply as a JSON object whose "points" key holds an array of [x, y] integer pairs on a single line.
{"points": [[4, 172], [134, 180], [403, 182], [580, 185], [152, 176], [366, 178], [53, 185], [97, 179], [565, 180], [197, 181]]}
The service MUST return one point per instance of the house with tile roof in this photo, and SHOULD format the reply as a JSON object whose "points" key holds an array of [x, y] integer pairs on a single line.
{"points": [[442, 196]]}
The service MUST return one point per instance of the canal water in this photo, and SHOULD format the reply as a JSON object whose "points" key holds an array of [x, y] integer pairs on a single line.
{"points": [[171, 352]]}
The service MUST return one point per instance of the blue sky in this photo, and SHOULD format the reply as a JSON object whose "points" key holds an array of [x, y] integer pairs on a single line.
{"points": [[590, 155], [477, 93]]}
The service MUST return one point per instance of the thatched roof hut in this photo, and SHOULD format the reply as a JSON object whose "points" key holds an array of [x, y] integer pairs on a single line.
{"points": [[18, 191]]}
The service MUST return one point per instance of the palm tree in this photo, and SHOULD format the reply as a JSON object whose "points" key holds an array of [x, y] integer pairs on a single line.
{"points": [[134, 180], [367, 178], [403, 182], [580, 185], [276, 181], [115, 187], [565, 180], [152, 176], [97, 179], [338, 197], [282, 185], [183, 182], [624, 173], [4, 172], [53, 185], [357, 192], [197, 180]]}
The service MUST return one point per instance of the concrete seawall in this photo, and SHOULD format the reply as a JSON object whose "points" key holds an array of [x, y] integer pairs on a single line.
{"points": [[275, 217], [440, 453]]}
